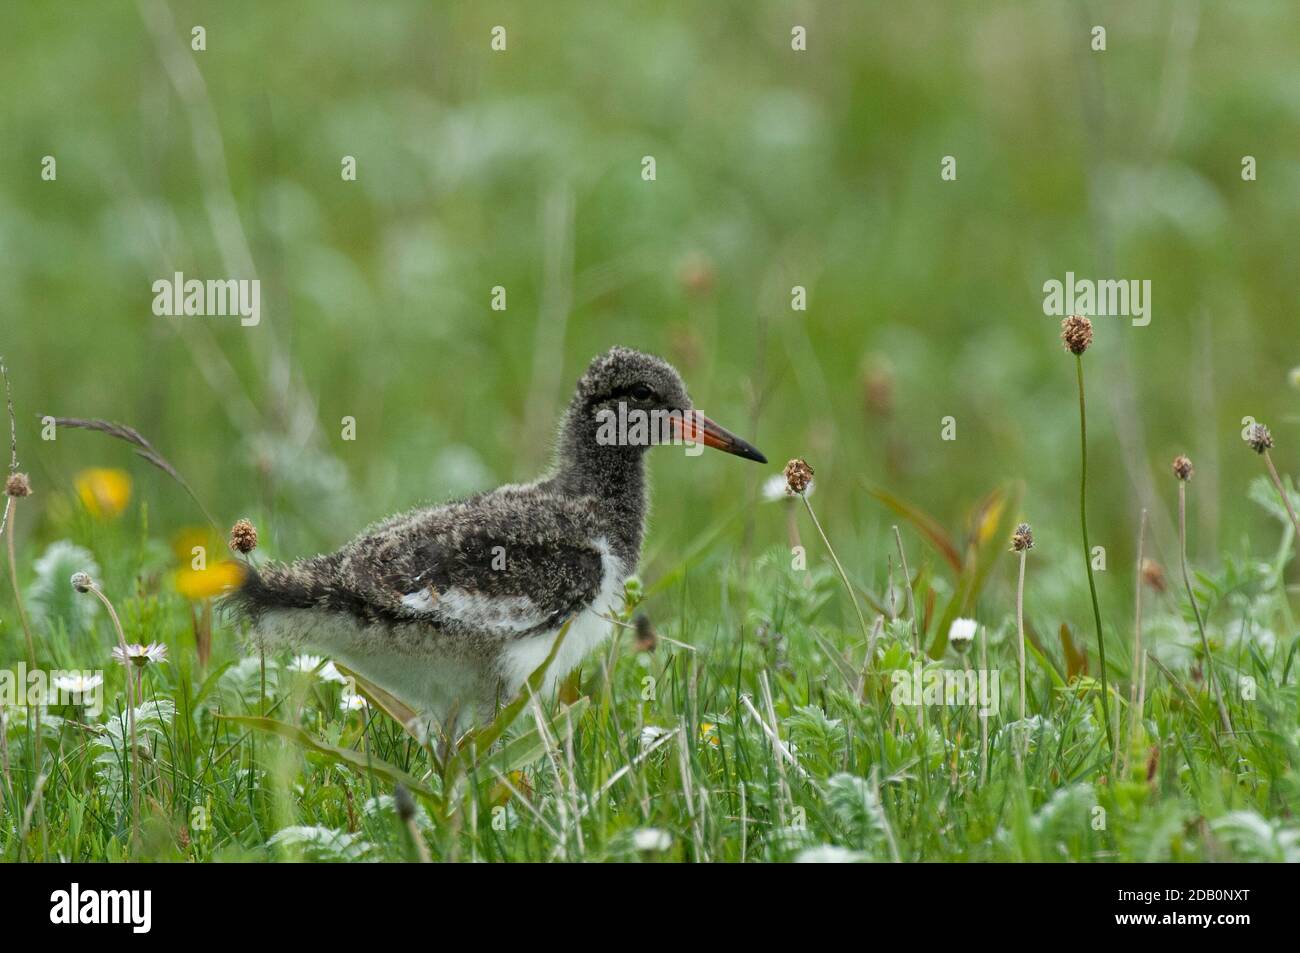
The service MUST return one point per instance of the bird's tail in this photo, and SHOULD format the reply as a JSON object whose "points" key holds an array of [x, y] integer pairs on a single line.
{"points": [[304, 584]]}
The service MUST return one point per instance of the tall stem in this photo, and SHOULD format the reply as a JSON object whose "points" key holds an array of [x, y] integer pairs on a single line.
{"points": [[129, 666], [870, 660], [1020, 627], [984, 672], [4, 754], [1281, 491], [1196, 610], [1087, 550], [920, 656], [13, 581], [866, 634], [1135, 692], [11, 511]]}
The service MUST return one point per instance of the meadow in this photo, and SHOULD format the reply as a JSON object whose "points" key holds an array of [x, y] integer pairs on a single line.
{"points": [[829, 286]]}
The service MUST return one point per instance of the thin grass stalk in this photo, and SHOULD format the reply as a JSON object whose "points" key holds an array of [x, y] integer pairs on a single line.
{"points": [[1020, 627], [838, 568], [1135, 693], [882, 816], [984, 667], [11, 511], [37, 799], [527, 805], [1281, 491], [1142, 689], [4, 753], [13, 581], [770, 704], [916, 647], [688, 793], [945, 730], [13, 442], [1196, 609], [130, 707], [1087, 549], [571, 763], [744, 821]]}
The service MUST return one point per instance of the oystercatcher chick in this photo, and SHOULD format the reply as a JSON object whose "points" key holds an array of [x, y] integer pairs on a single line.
{"points": [[451, 608]]}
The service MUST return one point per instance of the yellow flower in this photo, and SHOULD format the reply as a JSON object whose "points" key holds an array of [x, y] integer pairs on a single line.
{"points": [[103, 491], [709, 733], [218, 578], [501, 794], [191, 537]]}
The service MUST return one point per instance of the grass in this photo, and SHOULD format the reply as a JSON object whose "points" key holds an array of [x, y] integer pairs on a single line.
{"points": [[755, 740]]}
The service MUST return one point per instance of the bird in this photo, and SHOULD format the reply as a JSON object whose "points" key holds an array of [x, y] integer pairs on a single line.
{"points": [[451, 608]]}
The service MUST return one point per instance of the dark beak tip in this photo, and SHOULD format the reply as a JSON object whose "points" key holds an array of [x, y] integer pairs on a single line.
{"points": [[746, 451]]}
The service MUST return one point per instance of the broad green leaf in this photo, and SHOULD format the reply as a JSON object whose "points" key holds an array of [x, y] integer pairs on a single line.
{"points": [[988, 542], [923, 522], [527, 748], [399, 711], [354, 759]]}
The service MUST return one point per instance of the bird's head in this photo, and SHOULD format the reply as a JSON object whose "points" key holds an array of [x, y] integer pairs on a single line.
{"points": [[637, 399]]}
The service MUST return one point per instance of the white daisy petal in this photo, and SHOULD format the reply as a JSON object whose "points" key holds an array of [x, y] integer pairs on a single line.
{"points": [[651, 839], [962, 630]]}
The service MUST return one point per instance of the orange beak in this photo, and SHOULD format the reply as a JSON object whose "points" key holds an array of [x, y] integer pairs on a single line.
{"points": [[696, 428]]}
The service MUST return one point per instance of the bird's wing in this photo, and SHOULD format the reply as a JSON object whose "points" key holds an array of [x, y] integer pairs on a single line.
{"points": [[501, 571]]}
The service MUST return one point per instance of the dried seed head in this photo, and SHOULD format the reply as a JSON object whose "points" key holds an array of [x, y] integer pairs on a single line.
{"points": [[1259, 438], [1076, 332], [1022, 539], [243, 536], [1182, 467], [18, 485], [403, 802], [82, 582], [645, 633], [1153, 575], [798, 474]]}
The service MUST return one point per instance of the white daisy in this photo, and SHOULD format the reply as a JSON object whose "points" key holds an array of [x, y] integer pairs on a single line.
{"points": [[829, 854], [329, 673], [78, 684], [141, 655], [351, 701], [318, 666], [651, 839], [305, 664], [650, 734]]}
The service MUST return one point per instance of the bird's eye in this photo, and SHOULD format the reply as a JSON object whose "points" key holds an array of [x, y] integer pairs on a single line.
{"points": [[641, 392]]}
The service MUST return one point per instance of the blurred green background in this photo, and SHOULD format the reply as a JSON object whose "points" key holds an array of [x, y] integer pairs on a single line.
{"points": [[775, 168]]}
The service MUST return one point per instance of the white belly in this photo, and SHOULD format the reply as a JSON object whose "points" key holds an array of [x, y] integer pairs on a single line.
{"points": [[521, 657]]}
